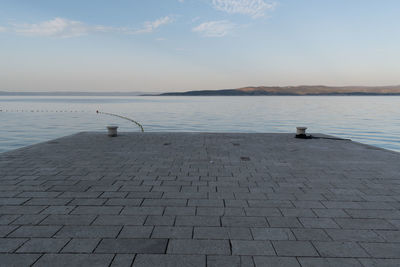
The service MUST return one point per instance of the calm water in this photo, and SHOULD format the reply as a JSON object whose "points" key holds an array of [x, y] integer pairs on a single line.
{"points": [[373, 120]]}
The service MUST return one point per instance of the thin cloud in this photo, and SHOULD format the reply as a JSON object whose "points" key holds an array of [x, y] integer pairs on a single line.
{"points": [[150, 26], [218, 28], [57, 27], [3, 29], [65, 28], [253, 8]]}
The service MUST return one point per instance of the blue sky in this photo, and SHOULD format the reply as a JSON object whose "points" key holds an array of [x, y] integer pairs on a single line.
{"points": [[176, 45]]}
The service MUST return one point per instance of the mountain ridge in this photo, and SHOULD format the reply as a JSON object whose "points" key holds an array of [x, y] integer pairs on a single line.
{"points": [[294, 90]]}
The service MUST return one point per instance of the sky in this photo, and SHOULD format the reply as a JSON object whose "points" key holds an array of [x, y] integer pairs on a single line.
{"points": [[180, 45]]}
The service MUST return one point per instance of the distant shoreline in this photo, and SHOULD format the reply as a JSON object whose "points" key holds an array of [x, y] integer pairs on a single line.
{"points": [[303, 90]]}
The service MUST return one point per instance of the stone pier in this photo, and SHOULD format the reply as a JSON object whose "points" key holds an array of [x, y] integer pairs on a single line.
{"points": [[199, 199]]}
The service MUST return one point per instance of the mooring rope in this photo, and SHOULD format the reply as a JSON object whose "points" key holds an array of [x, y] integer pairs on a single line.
{"points": [[122, 117]]}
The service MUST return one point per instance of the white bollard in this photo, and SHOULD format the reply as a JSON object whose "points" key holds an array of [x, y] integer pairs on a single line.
{"points": [[112, 130], [301, 130]]}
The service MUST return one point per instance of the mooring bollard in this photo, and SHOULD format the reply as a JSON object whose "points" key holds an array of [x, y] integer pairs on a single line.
{"points": [[112, 131], [301, 130], [301, 133]]}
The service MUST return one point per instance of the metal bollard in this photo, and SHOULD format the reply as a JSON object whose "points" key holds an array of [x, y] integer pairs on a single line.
{"points": [[112, 130]]}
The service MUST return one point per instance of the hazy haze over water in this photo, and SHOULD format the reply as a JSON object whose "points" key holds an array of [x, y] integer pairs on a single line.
{"points": [[372, 120]]}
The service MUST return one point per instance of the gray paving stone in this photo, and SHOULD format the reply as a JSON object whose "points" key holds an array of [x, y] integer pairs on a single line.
{"points": [[395, 223], [325, 223], [164, 203], [148, 195], [180, 211], [89, 231], [368, 213], [364, 224], [136, 232], [123, 260], [7, 219], [81, 245], [339, 249], [222, 233], [87, 202], [235, 203], [354, 235], [270, 203], [123, 202], [179, 232], [114, 195], [294, 248], [239, 221], [142, 211], [14, 260], [35, 231], [145, 260], [80, 195], [311, 234], [197, 221], [66, 260], [9, 210], [12, 201], [9, 245], [218, 211], [127, 245], [262, 261], [206, 202], [119, 220], [6, 229], [296, 212], [30, 219], [272, 234], [382, 250], [58, 210], [68, 220], [380, 262], [331, 213], [39, 194], [97, 210], [307, 204], [160, 220], [43, 245], [198, 247], [262, 212], [288, 222], [223, 261], [244, 247], [388, 235], [329, 262]]}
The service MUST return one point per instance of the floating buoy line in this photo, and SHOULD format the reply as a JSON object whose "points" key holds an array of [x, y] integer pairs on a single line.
{"points": [[71, 111], [42, 111]]}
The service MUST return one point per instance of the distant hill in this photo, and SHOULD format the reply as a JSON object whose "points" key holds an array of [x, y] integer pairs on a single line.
{"points": [[294, 90]]}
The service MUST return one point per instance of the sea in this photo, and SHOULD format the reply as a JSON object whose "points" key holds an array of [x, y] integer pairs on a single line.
{"points": [[373, 120]]}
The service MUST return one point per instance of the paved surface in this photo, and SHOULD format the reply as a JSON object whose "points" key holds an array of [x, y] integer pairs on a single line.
{"points": [[199, 200]]}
